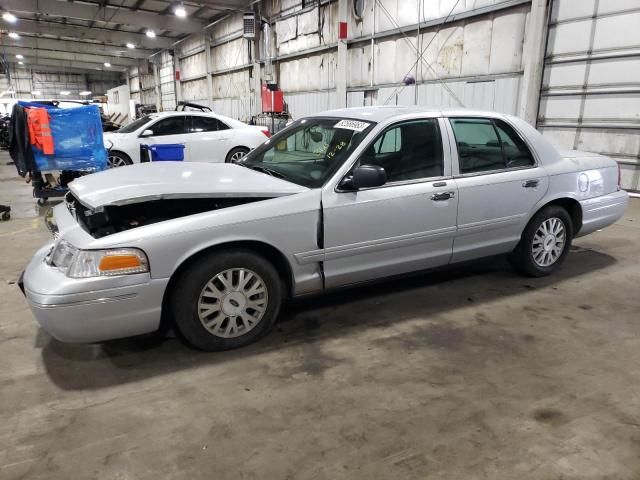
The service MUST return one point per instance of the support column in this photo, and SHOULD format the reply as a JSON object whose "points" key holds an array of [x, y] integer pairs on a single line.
{"points": [[341, 68], [208, 62], [533, 56], [176, 68], [156, 86], [256, 54]]}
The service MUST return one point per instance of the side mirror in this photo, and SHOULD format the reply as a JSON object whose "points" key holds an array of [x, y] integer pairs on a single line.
{"points": [[365, 176], [146, 133]]}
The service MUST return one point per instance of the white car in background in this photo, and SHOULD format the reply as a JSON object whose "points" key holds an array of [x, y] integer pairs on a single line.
{"points": [[207, 137]]}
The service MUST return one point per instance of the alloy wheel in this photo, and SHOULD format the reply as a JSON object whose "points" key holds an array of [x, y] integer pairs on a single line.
{"points": [[232, 303], [237, 156], [116, 161], [548, 242]]}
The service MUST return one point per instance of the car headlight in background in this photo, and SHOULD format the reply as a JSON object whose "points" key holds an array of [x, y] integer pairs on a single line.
{"points": [[76, 263]]}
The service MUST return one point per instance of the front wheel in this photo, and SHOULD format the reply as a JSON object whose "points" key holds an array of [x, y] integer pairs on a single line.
{"points": [[544, 243], [118, 159], [236, 154], [226, 300]]}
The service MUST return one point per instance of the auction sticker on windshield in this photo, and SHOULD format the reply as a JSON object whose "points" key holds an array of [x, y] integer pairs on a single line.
{"points": [[352, 125]]}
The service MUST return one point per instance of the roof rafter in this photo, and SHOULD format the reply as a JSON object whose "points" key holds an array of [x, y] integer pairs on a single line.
{"points": [[108, 13]]}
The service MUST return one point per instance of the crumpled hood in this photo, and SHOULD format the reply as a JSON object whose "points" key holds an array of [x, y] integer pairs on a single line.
{"points": [[158, 180]]}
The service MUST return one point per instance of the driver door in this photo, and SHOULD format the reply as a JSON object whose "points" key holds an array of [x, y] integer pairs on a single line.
{"points": [[405, 225], [169, 129]]}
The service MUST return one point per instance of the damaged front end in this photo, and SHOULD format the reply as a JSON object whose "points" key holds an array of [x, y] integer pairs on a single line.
{"points": [[110, 219]]}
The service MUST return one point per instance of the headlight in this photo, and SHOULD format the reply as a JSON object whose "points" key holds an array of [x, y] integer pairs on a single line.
{"points": [[76, 263]]}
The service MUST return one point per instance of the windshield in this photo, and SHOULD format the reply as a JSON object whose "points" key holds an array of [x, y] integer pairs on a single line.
{"points": [[135, 125], [309, 150]]}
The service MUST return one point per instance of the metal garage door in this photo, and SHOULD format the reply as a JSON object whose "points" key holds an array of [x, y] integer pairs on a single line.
{"points": [[590, 98]]}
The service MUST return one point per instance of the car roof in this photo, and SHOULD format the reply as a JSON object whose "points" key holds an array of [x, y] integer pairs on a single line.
{"points": [[228, 120], [382, 113]]}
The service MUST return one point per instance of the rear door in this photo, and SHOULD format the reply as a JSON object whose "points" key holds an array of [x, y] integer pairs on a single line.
{"points": [[170, 129], [405, 225], [499, 182], [208, 138]]}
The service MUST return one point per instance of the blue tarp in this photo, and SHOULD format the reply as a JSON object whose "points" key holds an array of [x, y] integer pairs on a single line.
{"points": [[77, 139]]}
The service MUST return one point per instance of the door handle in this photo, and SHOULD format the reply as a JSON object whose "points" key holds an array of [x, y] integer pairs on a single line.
{"points": [[439, 197], [531, 183]]}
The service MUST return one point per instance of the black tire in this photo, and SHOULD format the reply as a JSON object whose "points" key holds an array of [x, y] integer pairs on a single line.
{"points": [[187, 290], [118, 159], [234, 153], [522, 258]]}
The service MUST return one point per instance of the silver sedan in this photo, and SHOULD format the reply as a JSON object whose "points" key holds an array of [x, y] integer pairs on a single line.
{"points": [[340, 198]]}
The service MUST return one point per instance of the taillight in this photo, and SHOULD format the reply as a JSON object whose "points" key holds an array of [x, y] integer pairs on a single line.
{"points": [[266, 133], [619, 178]]}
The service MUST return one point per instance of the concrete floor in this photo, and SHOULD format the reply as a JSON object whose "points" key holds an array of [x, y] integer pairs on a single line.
{"points": [[472, 373]]}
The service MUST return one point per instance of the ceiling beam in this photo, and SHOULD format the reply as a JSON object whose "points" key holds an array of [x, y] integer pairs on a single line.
{"points": [[106, 75], [113, 37], [35, 55], [108, 13], [62, 66], [75, 47]]}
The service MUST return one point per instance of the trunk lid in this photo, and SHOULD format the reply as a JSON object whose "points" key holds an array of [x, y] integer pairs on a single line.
{"points": [[175, 180]]}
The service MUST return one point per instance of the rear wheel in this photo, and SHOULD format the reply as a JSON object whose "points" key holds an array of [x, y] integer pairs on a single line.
{"points": [[118, 159], [226, 300], [236, 154], [545, 242]]}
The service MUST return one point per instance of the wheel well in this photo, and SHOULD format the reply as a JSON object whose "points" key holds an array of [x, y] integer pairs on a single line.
{"points": [[574, 210], [233, 148], [121, 153], [275, 256]]}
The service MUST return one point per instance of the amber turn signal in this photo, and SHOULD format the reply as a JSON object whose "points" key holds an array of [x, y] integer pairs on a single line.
{"points": [[119, 262]]}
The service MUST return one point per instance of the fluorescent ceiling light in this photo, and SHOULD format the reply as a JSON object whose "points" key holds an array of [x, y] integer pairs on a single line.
{"points": [[85, 93], [19, 57], [35, 92], [180, 11], [14, 35], [151, 34], [131, 45], [9, 17], [65, 92], [107, 64], [20, 63]]}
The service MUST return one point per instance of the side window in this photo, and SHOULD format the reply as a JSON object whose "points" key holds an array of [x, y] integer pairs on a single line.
{"points": [[478, 145], [168, 126], [484, 145], [222, 125], [513, 147], [202, 124], [389, 142], [408, 151]]}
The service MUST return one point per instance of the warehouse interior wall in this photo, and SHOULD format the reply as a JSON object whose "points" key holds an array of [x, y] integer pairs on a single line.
{"points": [[571, 68], [19, 83], [590, 96], [471, 56]]}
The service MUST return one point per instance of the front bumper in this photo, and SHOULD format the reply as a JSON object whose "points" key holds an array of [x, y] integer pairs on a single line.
{"points": [[92, 309]]}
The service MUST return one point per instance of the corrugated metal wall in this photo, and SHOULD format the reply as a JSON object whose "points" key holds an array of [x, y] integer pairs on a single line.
{"points": [[166, 75], [477, 58], [590, 98]]}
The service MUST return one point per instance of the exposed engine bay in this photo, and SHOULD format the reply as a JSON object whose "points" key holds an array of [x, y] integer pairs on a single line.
{"points": [[112, 219]]}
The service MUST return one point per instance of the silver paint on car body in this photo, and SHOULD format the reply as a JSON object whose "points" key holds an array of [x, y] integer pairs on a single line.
{"points": [[159, 180], [367, 234]]}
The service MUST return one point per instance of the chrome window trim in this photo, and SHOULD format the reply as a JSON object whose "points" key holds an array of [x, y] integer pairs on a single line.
{"points": [[446, 157], [454, 148]]}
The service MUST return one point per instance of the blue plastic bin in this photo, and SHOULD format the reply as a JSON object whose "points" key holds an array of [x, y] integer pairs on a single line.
{"points": [[167, 152]]}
